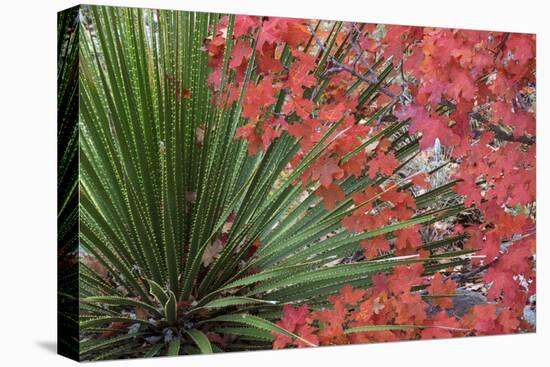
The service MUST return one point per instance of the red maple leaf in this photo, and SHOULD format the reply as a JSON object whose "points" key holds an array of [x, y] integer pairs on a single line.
{"points": [[293, 317], [522, 47], [331, 195], [461, 85], [411, 310], [384, 164], [249, 133], [266, 60], [332, 112], [507, 321], [482, 318], [243, 24], [241, 52], [308, 333], [375, 245], [299, 76], [404, 277], [296, 33], [348, 296], [439, 287], [380, 283], [326, 170]]}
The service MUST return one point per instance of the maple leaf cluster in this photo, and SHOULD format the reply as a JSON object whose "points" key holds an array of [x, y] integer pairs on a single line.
{"points": [[391, 302], [470, 90], [483, 80]]}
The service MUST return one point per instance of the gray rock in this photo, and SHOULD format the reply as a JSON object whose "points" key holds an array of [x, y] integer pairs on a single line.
{"points": [[465, 300], [530, 315]]}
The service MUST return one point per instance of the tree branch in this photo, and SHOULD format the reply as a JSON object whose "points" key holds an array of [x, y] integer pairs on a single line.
{"points": [[339, 67], [470, 274], [501, 134]]}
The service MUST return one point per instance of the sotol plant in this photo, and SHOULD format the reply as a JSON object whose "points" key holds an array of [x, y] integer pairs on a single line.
{"points": [[184, 236]]}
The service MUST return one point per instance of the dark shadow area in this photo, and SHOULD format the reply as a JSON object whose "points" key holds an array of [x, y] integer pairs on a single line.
{"points": [[48, 345]]}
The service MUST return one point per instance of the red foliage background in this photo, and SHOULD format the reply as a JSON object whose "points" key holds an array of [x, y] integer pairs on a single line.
{"points": [[467, 90]]}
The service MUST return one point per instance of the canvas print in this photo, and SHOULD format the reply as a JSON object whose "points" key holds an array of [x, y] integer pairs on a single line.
{"points": [[238, 183]]}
